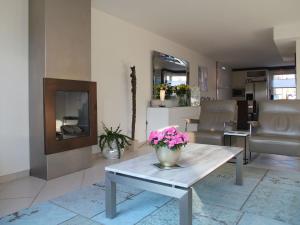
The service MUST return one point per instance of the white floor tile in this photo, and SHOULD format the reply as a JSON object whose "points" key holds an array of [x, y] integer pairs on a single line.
{"points": [[27, 187], [93, 175], [60, 186], [8, 206], [276, 162]]}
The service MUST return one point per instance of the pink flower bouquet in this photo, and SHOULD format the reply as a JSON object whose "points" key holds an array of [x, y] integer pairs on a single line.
{"points": [[169, 137]]}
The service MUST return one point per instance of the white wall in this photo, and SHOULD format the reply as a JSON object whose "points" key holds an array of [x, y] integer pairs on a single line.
{"points": [[14, 137], [238, 79], [116, 45]]}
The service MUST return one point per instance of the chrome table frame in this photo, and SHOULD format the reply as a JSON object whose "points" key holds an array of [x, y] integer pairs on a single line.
{"points": [[242, 134], [183, 194]]}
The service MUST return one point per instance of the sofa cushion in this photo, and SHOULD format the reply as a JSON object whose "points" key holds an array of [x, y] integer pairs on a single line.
{"points": [[207, 137], [215, 113], [275, 144], [280, 117]]}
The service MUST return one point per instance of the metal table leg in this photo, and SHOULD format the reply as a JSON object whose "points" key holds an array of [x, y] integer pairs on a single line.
{"points": [[110, 197], [245, 151], [185, 208], [183, 194], [239, 169]]}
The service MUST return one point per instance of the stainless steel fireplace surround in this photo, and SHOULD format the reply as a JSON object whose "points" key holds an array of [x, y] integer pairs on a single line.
{"points": [[59, 48]]}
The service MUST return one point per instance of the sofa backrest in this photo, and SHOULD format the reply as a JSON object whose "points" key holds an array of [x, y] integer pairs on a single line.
{"points": [[215, 113], [279, 117]]}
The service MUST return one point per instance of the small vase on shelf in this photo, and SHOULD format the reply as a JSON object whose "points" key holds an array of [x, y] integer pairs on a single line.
{"points": [[162, 96], [182, 91], [182, 100]]}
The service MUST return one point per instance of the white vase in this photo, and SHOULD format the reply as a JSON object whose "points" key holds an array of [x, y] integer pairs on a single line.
{"points": [[168, 157]]}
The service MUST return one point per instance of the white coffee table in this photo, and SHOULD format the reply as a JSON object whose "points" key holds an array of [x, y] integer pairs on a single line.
{"points": [[197, 161]]}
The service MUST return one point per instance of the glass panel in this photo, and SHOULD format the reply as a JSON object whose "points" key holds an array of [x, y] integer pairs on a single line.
{"points": [[284, 81], [284, 93], [72, 114]]}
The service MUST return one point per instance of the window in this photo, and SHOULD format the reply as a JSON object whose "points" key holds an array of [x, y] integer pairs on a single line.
{"points": [[175, 80], [284, 86]]}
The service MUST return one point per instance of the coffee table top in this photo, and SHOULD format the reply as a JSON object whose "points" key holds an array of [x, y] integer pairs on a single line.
{"points": [[197, 161]]}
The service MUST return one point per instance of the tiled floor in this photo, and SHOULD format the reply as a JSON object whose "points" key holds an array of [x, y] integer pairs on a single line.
{"points": [[268, 197], [25, 192]]}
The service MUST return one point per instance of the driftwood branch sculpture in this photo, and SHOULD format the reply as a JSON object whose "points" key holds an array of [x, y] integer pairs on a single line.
{"points": [[133, 92]]}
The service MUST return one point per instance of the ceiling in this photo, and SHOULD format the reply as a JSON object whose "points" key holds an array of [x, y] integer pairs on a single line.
{"points": [[235, 32]]}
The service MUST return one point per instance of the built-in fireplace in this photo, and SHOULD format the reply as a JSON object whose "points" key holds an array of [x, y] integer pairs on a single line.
{"points": [[62, 98], [70, 114]]}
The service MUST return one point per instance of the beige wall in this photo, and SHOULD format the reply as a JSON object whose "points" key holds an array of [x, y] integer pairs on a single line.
{"points": [[116, 45], [14, 127], [238, 79], [298, 67]]}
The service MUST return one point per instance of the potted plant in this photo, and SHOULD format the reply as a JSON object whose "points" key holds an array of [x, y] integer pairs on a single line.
{"points": [[112, 143], [182, 91], [167, 144]]}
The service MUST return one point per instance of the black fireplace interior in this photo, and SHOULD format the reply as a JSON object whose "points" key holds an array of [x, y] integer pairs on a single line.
{"points": [[72, 114]]}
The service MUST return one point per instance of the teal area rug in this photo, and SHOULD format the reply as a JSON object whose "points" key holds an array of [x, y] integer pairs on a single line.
{"points": [[267, 197]]}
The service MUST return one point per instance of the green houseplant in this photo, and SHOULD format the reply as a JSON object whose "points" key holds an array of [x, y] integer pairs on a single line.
{"points": [[182, 91], [113, 142]]}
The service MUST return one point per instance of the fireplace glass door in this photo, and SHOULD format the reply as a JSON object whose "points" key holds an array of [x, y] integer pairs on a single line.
{"points": [[72, 114]]}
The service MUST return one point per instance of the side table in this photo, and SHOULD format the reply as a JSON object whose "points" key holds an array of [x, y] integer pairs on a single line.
{"points": [[238, 133]]}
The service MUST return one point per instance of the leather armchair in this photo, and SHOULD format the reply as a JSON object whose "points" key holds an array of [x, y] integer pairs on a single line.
{"points": [[213, 117], [278, 128]]}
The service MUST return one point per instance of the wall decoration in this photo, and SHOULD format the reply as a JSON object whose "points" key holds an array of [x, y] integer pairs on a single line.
{"points": [[133, 92], [195, 96], [203, 78]]}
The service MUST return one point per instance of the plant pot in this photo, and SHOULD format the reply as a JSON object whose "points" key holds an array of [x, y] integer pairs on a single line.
{"points": [[112, 153], [168, 157]]}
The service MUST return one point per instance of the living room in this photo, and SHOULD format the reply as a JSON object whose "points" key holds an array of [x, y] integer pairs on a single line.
{"points": [[71, 68]]}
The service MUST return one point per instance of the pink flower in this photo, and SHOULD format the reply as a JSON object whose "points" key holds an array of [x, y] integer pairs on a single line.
{"points": [[171, 144], [185, 137], [171, 130], [152, 135], [169, 137], [179, 139], [160, 136]]}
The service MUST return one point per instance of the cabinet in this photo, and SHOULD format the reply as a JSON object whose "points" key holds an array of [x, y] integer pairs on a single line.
{"points": [[158, 118]]}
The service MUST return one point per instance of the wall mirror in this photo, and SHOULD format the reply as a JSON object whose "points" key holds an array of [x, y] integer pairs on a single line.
{"points": [[170, 70]]}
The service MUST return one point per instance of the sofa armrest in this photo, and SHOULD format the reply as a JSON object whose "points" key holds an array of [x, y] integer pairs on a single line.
{"points": [[190, 121], [253, 126]]}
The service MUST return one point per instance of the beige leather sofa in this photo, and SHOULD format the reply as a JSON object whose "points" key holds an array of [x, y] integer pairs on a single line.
{"points": [[213, 116], [278, 128]]}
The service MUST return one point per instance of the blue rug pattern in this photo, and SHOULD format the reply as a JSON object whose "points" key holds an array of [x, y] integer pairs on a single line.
{"points": [[267, 197]]}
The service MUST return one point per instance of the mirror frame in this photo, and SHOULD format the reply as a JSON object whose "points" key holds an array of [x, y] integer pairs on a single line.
{"points": [[154, 54]]}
